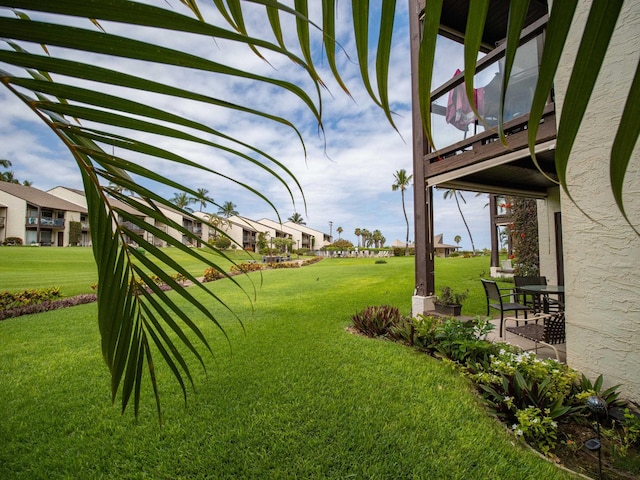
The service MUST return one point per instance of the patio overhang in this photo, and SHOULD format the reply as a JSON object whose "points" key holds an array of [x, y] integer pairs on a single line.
{"points": [[513, 173]]}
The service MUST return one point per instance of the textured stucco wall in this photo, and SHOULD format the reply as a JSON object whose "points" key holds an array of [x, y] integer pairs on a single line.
{"points": [[546, 234], [602, 254]]}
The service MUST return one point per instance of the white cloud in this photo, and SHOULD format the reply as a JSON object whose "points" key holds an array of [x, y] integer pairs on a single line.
{"points": [[346, 180]]}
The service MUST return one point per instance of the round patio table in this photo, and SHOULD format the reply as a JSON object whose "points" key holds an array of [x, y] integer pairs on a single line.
{"points": [[545, 291]]}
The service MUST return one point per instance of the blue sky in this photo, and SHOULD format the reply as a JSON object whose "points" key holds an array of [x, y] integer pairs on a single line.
{"points": [[347, 174]]}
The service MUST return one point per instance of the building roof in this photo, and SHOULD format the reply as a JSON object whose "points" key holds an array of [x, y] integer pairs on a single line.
{"points": [[39, 198]]}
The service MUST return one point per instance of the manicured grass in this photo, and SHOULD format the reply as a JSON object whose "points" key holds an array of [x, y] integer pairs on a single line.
{"points": [[73, 269], [295, 397]]}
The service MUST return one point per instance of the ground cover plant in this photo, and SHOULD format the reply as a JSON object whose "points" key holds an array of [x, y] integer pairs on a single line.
{"points": [[292, 394], [542, 401]]}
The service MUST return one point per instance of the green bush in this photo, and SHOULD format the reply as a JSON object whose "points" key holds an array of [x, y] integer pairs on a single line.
{"points": [[462, 341], [222, 242]]}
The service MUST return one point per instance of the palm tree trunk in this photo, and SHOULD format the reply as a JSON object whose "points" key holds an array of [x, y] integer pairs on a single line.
{"points": [[406, 243], [473, 247]]}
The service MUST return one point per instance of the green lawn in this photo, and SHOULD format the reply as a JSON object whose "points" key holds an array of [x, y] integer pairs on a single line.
{"points": [[295, 396]]}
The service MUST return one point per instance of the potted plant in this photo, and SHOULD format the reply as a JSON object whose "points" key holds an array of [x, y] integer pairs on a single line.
{"points": [[450, 302]]}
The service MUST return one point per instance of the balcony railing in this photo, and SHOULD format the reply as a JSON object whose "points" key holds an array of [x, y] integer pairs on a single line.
{"points": [[45, 222], [133, 227], [455, 127]]}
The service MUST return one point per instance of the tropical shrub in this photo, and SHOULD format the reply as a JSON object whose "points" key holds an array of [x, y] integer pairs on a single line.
{"points": [[48, 305], [211, 274], [10, 300], [380, 261], [462, 341], [246, 267], [12, 241], [376, 321]]}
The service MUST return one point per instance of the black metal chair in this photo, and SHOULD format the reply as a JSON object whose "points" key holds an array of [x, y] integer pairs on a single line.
{"points": [[539, 303], [495, 300], [550, 332]]}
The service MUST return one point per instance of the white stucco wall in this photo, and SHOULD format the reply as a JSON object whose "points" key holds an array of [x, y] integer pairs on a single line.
{"points": [[546, 234], [602, 254], [15, 213]]}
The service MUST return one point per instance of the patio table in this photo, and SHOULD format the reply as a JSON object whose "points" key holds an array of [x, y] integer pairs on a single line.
{"points": [[544, 291]]}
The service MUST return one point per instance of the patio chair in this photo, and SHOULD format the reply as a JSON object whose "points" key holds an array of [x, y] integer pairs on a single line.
{"points": [[495, 300], [549, 332]]}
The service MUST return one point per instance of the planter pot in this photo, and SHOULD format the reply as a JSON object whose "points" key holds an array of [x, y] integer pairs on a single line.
{"points": [[451, 310]]}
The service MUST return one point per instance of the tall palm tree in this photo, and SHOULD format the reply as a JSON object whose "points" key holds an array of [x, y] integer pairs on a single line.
{"points": [[357, 232], [455, 194], [297, 219], [228, 209], [366, 238], [339, 230], [87, 115], [202, 198], [457, 239], [182, 200], [402, 182]]}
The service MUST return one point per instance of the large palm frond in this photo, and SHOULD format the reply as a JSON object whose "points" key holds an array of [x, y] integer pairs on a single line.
{"points": [[80, 66]]}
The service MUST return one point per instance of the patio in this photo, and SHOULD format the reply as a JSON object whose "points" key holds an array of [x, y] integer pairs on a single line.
{"points": [[543, 351]]}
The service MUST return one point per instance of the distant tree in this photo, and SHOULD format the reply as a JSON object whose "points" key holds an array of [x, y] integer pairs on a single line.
{"points": [[202, 198], [357, 233], [27, 183], [297, 219], [339, 230], [366, 238], [228, 209], [452, 192], [402, 182], [457, 239], [378, 238], [182, 200], [342, 243]]}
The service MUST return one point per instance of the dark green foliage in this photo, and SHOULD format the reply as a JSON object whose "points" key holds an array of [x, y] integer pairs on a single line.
{"points": [[449, 297], [609, 395], [75, 233], [222, 242], [462, 341], [380, 261], [525, 236], [376, 321]]}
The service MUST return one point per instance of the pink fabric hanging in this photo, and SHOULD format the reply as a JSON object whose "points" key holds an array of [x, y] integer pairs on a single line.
{"points": [[459, 112]]}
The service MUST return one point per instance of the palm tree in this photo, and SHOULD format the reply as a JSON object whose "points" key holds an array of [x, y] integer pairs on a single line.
{"points": [[228, 209], [182, 200], [339, 230], [202, 198], [453, 193], [377, 238], [402, 181], [457, 239], [357, 233], [366, 238], [297, 219], [126, 315]]}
